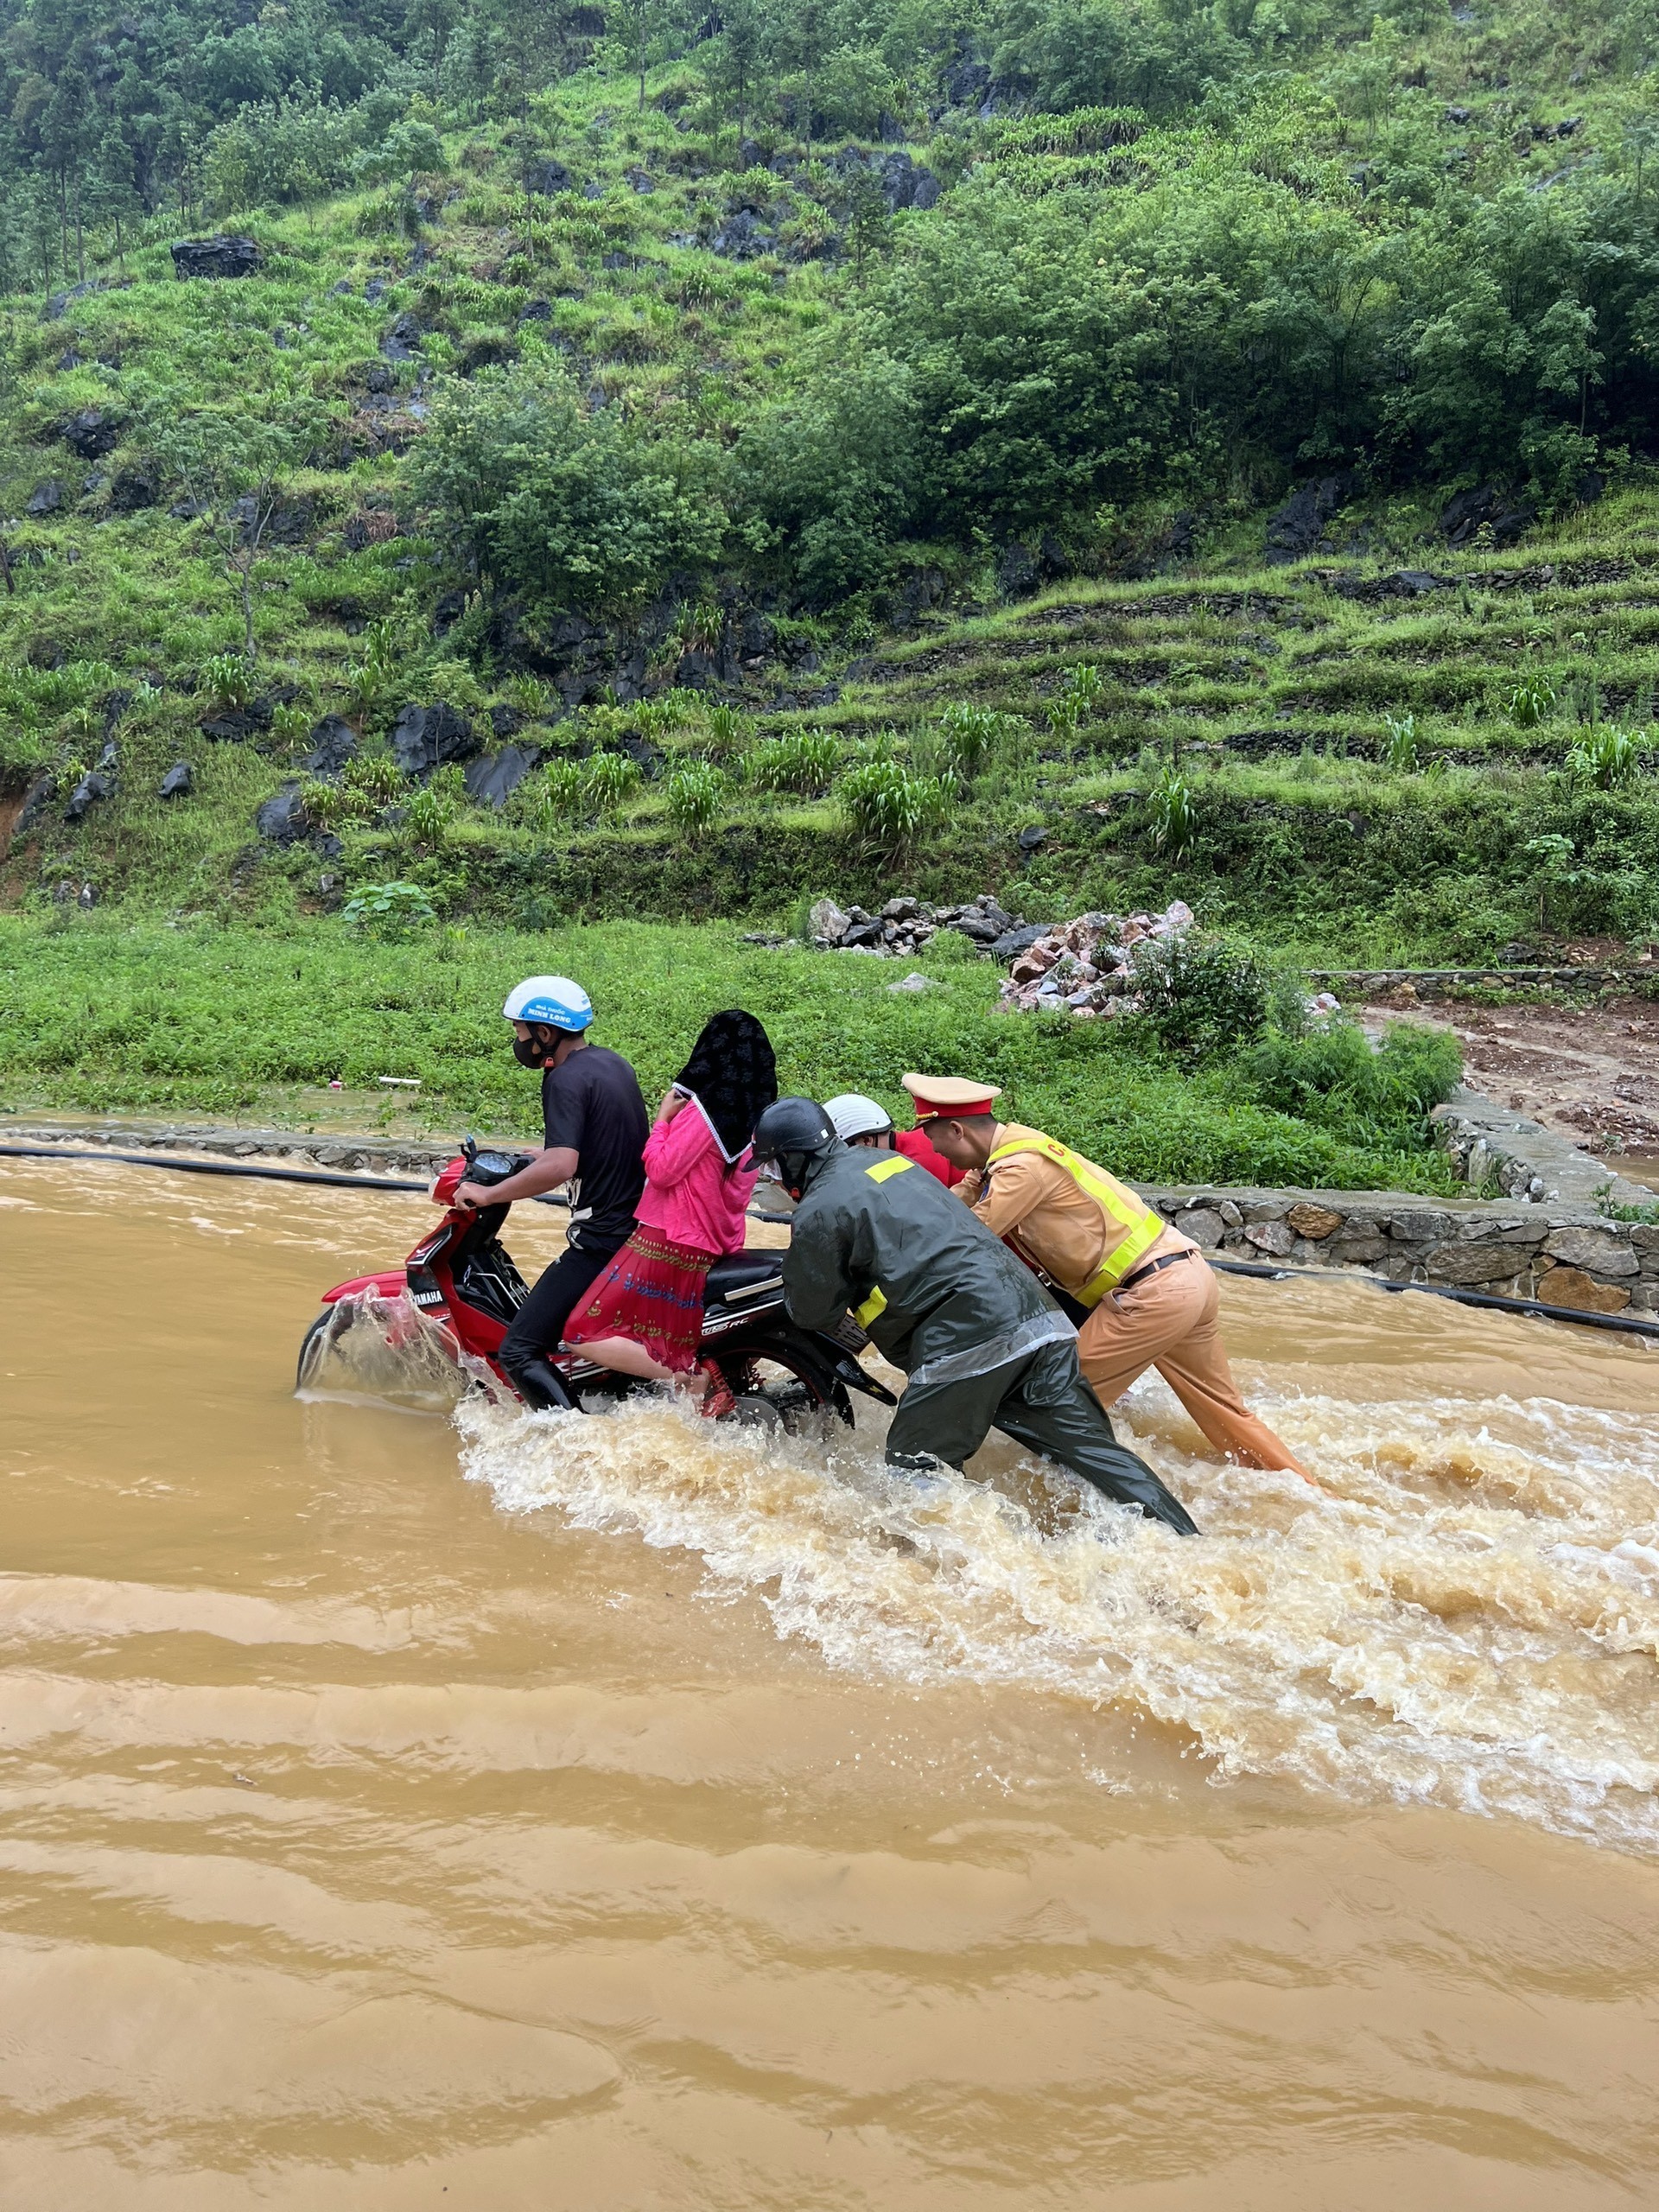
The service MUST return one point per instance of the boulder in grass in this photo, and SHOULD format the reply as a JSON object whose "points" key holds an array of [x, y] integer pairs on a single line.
{"points": [[46, 497], [225, 256], [1298, 527], [176, 782], [92, 432], [491, 778], [827, 923], [333, 742], [282, 820], [426, 737], [36, 799]]}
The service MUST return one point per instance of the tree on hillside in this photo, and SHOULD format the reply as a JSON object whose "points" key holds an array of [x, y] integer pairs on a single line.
{"points": [[230, 467], [735, 65]]}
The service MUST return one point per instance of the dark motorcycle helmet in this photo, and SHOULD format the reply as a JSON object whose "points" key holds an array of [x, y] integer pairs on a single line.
{"points": [[795, 1133]]}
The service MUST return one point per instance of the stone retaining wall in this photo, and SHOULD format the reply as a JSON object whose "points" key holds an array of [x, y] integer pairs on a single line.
{"points": [[1563, 1255], [1528, 1159]]}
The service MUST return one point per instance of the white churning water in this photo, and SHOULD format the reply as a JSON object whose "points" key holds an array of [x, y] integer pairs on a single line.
{"points": [[1465, 1615]]}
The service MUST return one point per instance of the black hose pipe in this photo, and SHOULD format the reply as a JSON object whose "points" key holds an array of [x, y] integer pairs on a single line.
{"points": [[1620, 1323], [1535, 1306]]}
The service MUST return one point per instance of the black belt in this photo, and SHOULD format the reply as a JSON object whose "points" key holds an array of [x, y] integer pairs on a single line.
{"points": [[1152, 1267]]}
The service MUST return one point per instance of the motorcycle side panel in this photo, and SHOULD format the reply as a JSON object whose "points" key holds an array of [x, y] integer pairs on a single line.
{"points": [[389, 1286]]}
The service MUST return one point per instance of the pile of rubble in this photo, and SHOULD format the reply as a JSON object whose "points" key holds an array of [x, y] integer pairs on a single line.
{"points": [[905, 924], [1086, 967]]}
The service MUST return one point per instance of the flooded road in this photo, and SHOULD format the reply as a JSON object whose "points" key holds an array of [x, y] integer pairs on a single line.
{"points": [[403, 1811]]}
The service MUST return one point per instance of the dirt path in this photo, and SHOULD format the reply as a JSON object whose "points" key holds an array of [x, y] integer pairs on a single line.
{"points": [[1591, 1073]]}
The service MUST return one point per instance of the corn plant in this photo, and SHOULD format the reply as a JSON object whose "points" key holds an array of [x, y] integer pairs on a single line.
{"points": [[1401, 751], [1607, 758], [1171, 814], [728, 729], [1086, 687], [884, 802], [800, 760], [375, 777], [560, 793], [1531, 701], [973, 736], [698, 625], [530, 696], [327, 805], [695, 795], [608, 779], [432, 809], [228, 679], [652, 717]]}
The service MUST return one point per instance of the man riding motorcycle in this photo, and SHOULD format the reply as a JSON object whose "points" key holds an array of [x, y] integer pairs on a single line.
{"points": [[595, 1125], [983, 1344]]}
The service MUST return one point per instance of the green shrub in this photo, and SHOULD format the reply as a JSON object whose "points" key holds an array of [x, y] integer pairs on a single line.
{"points": [[1331, 1077], [389, 910], [884, 802], [567, 508], [1201, 997], [800, 760]]}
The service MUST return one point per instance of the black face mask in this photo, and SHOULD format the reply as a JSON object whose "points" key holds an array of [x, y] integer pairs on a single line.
{"points": [[530, 1053]]}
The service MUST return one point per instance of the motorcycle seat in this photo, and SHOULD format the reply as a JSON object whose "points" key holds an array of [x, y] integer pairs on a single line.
{"points": [[740, 1271]]}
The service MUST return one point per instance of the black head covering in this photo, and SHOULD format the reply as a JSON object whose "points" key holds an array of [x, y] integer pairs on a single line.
{"points": [[733, 1076]]}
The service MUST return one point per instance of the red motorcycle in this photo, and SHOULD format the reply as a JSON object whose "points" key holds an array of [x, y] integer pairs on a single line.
{"points": [[459, 1289]]}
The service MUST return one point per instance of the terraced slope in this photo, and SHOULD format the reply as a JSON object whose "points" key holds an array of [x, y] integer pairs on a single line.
{"points": [[1357, 775]]}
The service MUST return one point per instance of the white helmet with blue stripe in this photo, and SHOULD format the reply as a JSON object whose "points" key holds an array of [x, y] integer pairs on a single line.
{"points": [[554, 1000]]}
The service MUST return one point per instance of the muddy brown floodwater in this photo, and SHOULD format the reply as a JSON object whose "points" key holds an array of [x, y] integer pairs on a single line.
{"points": [[404, 1807]]}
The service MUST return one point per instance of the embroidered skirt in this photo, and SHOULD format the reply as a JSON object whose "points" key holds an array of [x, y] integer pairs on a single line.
{"points": [[651, 1291]]}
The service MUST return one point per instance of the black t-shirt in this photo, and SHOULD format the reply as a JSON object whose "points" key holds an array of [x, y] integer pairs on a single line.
{"points": [[592, 1104]]}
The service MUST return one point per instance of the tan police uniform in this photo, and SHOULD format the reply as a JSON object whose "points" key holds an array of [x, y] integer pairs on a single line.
{"points": [[1153, 1296]]}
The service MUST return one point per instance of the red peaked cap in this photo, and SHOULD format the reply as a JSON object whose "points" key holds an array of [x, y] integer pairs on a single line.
{"points": [[949, 1097]]}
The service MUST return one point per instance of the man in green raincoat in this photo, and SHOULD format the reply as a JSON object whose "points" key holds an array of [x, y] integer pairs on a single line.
{"points": [[983, 1344]]}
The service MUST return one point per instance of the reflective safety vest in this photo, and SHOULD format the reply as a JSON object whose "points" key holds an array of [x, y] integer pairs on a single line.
{"points": [[1143, 1228]]}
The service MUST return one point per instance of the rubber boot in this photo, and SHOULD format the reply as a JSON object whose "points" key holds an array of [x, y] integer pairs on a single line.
{"points": [[540, 1386], [1153, 1500]]}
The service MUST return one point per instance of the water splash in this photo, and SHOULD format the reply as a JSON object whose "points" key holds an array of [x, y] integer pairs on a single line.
{"points": [[1468, 1616]]}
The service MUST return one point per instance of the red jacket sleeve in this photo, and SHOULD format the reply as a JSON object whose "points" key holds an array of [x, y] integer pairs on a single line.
{"points": [[917, 1145]]}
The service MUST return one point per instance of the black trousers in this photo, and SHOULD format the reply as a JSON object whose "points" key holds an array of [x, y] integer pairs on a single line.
{"points": [[541, 1318], [1041, 1402]]}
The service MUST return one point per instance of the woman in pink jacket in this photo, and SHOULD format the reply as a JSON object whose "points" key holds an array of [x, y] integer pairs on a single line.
{"points": [[643, 1315]]}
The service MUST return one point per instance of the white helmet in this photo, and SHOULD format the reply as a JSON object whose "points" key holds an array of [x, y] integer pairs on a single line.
{"points": [[854, 1115], [554, 1000]]}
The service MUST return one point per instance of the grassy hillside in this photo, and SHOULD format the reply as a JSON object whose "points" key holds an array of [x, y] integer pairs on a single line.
{"points": [[657, 427]]}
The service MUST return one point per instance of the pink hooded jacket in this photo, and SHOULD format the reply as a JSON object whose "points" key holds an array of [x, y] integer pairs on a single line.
{"points": [[691, 1195]]}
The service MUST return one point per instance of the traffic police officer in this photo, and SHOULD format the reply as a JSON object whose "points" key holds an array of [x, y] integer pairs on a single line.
{"points": [[983, 1344], [1143, 1292]]}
